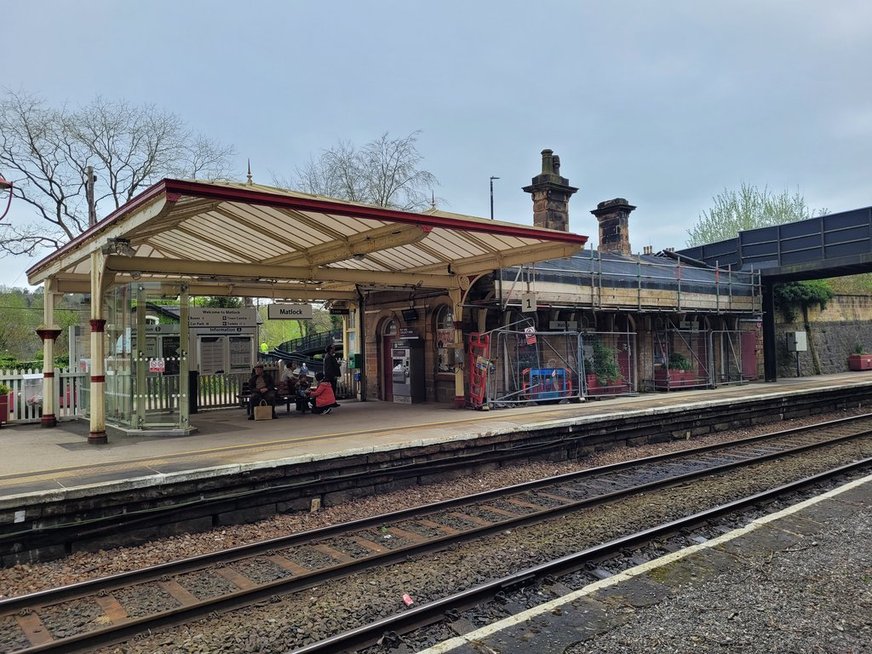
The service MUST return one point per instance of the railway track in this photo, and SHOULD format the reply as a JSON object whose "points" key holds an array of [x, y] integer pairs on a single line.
{"points": [[86, 615]]}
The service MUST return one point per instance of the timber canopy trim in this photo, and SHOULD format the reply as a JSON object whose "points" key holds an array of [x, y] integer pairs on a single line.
{"points": [[225, 238]]}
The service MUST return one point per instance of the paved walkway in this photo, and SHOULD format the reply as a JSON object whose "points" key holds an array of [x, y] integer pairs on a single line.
{"points": [[36, 459]]}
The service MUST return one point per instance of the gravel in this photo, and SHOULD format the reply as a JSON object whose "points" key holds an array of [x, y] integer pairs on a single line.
{"points": [[293, 621], [81, 566]]}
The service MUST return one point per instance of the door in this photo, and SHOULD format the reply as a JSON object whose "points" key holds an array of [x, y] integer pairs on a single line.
{"points": [[388, 336], [387, 368], [749, 355]]}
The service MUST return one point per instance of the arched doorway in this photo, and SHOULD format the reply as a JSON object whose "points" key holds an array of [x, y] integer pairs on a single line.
{"points": [[389, 330]]}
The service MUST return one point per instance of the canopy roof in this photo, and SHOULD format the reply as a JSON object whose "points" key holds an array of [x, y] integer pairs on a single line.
{"points": [[245, 239]]}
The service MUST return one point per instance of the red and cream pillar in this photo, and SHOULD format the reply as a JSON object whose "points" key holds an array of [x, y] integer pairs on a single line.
{"points": [[49, 390], [97, 410], [455, 294], [48, 332]]}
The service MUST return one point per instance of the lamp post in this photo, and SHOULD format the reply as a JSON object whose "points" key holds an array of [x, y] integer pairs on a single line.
{"points": [[5, 186], [492, 195]]}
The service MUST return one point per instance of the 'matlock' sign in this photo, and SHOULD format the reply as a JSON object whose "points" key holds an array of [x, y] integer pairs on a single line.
{"points": [[290, 311]]}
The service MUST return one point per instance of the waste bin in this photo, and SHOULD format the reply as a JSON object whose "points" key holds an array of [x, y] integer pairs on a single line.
{"points": [[193, 391]]}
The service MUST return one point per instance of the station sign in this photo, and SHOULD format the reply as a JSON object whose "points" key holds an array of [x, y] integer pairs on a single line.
{"points": [[277, 311], [222, 317], [340, 311], [528, 303]]}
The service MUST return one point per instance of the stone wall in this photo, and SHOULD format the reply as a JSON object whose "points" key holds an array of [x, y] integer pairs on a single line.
{"points": [[834, 333]]}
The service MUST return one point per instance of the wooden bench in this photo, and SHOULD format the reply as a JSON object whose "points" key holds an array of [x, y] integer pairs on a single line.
{"points": [[282, 396]]}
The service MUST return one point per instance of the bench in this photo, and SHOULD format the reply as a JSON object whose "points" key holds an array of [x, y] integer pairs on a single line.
{"points": [[282, 396]]}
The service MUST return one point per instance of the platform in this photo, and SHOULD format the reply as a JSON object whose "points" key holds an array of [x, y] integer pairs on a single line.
{"points": [[792, 581], [38, 460]]}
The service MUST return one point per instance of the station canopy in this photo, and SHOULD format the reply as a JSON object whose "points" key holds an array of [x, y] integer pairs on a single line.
{"points": [[223, 238]]}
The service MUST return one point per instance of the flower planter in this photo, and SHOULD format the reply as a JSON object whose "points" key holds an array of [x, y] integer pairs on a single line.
{"points": [[668, 378], [594, 387], [4, 407], [860, 362]]}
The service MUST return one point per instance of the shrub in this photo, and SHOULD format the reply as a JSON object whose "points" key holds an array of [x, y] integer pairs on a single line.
{"points": [[677, 361], [605, 365]]}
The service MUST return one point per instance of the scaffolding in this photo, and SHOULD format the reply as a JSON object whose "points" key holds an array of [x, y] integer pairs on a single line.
{"points": [[726, 347], [609, 363], [520, 365], [682, 359]]}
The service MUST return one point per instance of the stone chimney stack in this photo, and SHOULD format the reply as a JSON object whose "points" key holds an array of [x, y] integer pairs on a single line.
{"points": [[551, 194], [614, 230]]}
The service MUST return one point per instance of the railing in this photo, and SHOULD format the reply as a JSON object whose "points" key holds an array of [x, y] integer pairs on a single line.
{"points": [[312, 342], [26, 397], [216, 391]]}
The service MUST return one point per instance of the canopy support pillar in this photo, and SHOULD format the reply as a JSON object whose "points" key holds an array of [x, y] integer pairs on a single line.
{"points": [[97, 431], [48, 332]]}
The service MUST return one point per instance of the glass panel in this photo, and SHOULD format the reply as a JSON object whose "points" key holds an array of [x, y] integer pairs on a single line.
{"points": [[144, 358], [119, 366], [444, 339]]}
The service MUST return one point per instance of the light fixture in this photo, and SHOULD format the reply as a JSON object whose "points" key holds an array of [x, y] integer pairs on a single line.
{"points": [[359, 256], [492, 195]]}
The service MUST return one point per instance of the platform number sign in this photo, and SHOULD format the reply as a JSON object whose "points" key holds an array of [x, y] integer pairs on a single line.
{"points": [[528, 302]]}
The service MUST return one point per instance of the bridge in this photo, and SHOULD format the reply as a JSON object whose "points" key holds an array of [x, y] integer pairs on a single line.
{"points": [[833, 245]]}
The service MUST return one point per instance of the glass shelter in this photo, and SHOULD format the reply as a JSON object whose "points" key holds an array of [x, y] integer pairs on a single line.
{"points": [[146, 358]]}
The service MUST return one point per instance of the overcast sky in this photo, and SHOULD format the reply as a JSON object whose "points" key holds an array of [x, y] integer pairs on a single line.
{"points": [[663, 103]]}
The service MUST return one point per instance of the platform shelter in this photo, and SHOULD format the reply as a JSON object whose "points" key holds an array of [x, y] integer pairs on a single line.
{"points": [[181, 239]]}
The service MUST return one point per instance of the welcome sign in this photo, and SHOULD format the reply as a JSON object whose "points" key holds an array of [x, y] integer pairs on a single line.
{"points": [[277, 311]]}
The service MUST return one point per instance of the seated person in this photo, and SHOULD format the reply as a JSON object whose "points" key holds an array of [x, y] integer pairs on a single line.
{"points": [[322, 397], [302, 392], [262, 388]]}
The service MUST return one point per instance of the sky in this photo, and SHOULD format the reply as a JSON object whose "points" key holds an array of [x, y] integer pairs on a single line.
{"points": [[666, 104]]}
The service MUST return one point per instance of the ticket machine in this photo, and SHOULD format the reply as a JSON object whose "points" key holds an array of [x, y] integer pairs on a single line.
{"points": [[407, 371]]}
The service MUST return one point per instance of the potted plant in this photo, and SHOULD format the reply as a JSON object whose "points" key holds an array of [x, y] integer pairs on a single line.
{"points": [[859, 360], [603, 374], [677, 372], [5, 391]]}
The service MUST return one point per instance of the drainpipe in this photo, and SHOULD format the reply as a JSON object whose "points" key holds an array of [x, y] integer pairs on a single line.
{"points": [[361, 308]]}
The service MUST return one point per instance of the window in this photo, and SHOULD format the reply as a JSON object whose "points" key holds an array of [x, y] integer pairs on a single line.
{"points": [[444, 339]]}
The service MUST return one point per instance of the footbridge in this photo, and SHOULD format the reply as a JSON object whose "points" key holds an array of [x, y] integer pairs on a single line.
{"points": [[826, 246]]}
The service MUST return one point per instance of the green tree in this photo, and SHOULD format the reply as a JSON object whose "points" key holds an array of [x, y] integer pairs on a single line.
{"points": [[21, 313], [218, 302], [748, 207], [801, 295]]}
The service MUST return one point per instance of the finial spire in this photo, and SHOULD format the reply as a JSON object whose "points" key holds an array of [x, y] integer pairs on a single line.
{"points": [[249, 172], [432, 199]]}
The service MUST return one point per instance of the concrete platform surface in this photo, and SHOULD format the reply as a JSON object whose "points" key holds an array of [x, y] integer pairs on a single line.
{"points": [[37, 459]]}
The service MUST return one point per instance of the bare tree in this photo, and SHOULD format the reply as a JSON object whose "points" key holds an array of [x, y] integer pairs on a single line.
{"points": [[130, 147], [384, 172]]}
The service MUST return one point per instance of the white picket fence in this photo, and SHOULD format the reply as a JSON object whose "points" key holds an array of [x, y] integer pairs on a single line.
{"points": [[73, 388], [26, 398]]}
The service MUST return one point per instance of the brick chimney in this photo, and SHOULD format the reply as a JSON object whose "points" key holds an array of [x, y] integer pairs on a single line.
{"points": [[614, 230], [551, 194]]}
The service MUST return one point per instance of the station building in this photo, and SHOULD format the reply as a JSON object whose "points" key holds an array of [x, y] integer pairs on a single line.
{"points": [[438, 307], [599, 322]]}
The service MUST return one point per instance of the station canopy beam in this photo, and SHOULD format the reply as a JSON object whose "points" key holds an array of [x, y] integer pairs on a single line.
{"points": [[223, 238]]}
